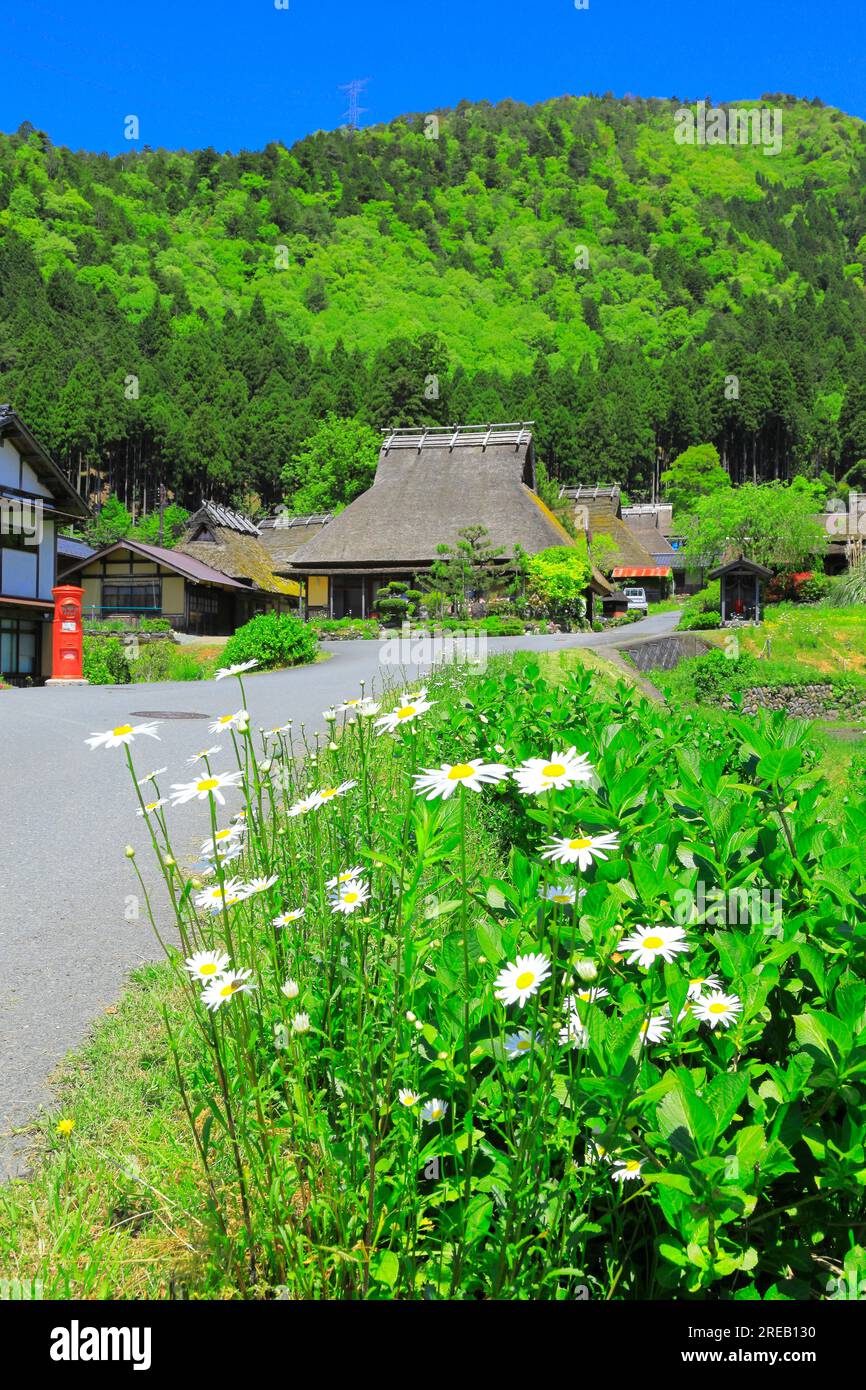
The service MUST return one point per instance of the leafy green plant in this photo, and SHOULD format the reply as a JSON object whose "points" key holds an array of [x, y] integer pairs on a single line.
{"points": [[271, 639], [104, 661]]}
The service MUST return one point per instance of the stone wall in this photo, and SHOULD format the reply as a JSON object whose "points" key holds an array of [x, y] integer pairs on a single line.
{"points": [[818, 701]]}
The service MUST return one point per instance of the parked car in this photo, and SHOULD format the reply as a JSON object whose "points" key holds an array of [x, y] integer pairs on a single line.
{"points": [[636, 600]]}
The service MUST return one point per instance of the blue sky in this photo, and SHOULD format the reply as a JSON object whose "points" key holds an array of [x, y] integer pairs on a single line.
{"points": [[237, 73]]}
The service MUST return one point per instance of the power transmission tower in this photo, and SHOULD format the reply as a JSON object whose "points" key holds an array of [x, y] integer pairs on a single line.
{"points": [[354, 90]]}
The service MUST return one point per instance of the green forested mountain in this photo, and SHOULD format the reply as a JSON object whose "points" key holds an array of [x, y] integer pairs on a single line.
{"points": [[192, 317]]}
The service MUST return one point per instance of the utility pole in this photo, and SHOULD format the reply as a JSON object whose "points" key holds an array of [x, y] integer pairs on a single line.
{"points": [[161, 511]]}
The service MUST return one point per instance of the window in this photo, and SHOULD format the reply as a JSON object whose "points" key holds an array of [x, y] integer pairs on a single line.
{"points": [[15, 540], [19, 647], [131, 596]]}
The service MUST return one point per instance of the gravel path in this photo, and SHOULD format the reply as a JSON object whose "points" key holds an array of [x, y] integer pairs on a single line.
{"points": [[66, 945]]}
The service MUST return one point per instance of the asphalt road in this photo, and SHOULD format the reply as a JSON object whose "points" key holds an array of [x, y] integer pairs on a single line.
{"points": [[66, 944]]}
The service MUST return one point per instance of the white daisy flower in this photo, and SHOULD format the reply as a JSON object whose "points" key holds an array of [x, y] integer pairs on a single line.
{"points": [[222, 840], [219, 991], [590, 996], [581, 850], [224, 855], [362, 705], [574, 1033], [238, 720], [274, 733], [301, 1023], [517, 983], [718, 1008], [151, 776], [434, 1110], [204, 787], [286, 919], [651, 943], [563, 893], [205, 753], [536, 775], [367, 708], [229, 894], [124, 733], [321, 798], [238, 670], [519, 1043], [307, 803], [350, 896], [408, 1097], [204, 965], [345, 877], [445, 780], [595, 1152], [260, 885], [291, 989], [151, 806], [408, 709], [700, 983], [655, 1029], [626, 1170]]}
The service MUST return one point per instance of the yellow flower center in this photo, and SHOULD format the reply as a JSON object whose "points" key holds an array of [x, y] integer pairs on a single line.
{"points": [[437, 1112], [328, 793], [562, 897], [122, 729], [228, 989], [350, 897], [223, 835], [460, 772], [225, 719], [583, 843], [633, 1165], [644, 1027], [523, 1045], [717, 1008], [406, 712], [585, 995], [525, 979], [653, 943], [208, 784], [209, 969], [553, 770]]}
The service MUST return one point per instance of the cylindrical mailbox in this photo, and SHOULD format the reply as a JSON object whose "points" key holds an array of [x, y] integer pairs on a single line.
{"points": [[67, 644]]}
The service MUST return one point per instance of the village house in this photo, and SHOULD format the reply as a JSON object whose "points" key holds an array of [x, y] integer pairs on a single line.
{"points": [[636, 552], [36, 500], [216, 578], [429, 486]]}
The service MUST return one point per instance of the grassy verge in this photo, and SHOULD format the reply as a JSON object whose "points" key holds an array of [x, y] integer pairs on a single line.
{"points": [[109, 1211]]}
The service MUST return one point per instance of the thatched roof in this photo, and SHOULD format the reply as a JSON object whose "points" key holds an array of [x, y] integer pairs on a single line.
{"points": [[429, 486], [600, 510], [282, 535], [230, 543]]}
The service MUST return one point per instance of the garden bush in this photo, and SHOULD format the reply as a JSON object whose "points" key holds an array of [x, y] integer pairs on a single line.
{"points": [[273, 640], [104, 661], [703, 609], [475, 1067]]}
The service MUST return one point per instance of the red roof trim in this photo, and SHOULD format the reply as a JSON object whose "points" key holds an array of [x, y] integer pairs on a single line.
{"points": [[641, 572]]}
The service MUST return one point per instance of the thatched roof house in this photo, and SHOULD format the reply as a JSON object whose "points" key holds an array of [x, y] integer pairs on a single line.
{"points": [[429, 486], [638, 554], [231, 543]]}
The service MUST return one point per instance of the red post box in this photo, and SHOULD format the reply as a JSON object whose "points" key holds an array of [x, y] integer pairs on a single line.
{"points": [[67, 650]]}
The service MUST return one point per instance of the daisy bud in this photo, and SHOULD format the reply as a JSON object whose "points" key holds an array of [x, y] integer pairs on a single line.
{"points": [[330, 716], [410, 1015], [332, 747], [418, 1024], [586, 969], [442, 1056], [196, 883], [129, 852], [169, 862], [291, 989]]}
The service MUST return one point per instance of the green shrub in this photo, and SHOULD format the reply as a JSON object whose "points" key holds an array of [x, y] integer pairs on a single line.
{"points": [[690, 622], [154, 625], [273, 640], [105, 661], [703, 609]]}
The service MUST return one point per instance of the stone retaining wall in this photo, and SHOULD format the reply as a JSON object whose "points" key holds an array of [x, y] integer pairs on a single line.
{"points": [[818, 701]]}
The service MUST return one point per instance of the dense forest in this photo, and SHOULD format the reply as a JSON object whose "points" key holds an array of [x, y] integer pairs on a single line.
{"points": [[191, 318]]}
